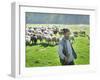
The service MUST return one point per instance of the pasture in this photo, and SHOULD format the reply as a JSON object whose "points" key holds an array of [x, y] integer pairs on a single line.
{"points": [[43, 54]]}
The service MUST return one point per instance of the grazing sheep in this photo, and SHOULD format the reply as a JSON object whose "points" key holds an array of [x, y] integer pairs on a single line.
{"points": [[60, 33], [28, 39], [40, 37], [55, 31], [82, 33], [75, 34], [48, 38], [55, 39], [47, 34], [34, 39], [72, 38]]}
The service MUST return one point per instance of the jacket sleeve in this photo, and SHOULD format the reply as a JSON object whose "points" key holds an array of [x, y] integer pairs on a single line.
{"points": [[74, 53], [60, 51]]}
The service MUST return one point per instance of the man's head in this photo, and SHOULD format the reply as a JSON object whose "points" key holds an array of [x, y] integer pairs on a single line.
{"points": [[66, 32]]}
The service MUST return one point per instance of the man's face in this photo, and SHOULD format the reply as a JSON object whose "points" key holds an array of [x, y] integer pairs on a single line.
{"points": [[67, 34]]}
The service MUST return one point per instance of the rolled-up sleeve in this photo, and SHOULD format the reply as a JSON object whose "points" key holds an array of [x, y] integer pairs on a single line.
{"points": [[60, 51]]}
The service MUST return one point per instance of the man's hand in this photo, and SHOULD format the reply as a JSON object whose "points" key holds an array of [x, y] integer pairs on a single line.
{"points": [[66, 59]]}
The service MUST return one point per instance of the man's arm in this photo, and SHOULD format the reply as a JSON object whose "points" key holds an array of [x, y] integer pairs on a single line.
{"points": [[60, 51]]}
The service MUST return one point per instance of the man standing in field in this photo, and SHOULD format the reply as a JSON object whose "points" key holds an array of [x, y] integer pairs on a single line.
{"points": [[65, 49]]}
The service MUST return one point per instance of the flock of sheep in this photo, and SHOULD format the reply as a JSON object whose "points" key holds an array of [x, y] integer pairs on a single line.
{"points": [[46, 34], [49, 35]]}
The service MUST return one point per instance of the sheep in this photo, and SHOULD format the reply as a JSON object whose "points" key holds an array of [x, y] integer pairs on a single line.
{"points": [[40, 37], [55, 31], [75, 34], [82, 33], [55, 39], [48, 38], [71, 38], [28, 39], [34, 39]]}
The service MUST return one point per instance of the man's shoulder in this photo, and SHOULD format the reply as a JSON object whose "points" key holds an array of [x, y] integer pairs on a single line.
{"points": [[61, 40]]}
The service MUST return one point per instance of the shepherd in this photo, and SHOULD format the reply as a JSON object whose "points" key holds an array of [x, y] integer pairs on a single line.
{"points": [[65, 49]]}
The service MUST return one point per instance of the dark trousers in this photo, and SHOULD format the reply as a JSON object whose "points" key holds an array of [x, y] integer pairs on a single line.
{"points": [[65, 63]]}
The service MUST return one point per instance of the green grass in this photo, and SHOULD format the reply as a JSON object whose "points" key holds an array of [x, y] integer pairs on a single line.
{"points": [[39, 55], [81, 47]]}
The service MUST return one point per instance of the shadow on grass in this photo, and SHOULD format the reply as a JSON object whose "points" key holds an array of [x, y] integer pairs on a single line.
{"points": [[42, 44], [46, 45]]}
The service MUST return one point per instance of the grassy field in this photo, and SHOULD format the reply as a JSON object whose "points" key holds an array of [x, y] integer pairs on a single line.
{"points": [[81, 47], [44, 55]]}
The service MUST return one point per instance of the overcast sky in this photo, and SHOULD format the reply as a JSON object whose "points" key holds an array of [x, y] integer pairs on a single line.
{"points": [[52, 18]]}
